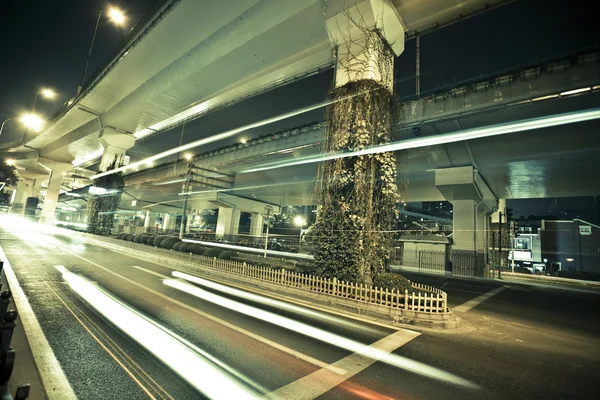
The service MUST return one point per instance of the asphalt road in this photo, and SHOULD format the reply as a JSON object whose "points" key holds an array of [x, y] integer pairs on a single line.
{"points": [[522, 343]]}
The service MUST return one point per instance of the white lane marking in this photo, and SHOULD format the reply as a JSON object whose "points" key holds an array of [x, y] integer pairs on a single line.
{"points": [[278, 346], [478, 300], [55, 383], [297, 354], [321, 381], [445, 284], [161, 276]]}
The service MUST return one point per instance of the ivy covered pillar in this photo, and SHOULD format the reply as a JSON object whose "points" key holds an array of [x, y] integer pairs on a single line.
{"points": [[352, 235]]}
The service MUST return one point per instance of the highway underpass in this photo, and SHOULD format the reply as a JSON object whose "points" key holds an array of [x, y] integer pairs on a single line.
{"points": [[522, 342]]}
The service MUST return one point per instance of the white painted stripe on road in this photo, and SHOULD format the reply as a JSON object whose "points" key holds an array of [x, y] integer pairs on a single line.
{"points": [[478, 300], [285, 349], [280, 347], [323, 380], [55, 383], [161, 276]]}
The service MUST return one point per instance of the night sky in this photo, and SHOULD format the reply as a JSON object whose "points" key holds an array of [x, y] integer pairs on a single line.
{"points": [[45, 43]]}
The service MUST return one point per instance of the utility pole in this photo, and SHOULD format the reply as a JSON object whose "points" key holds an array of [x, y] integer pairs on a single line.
{"points": [[188, 176], [500, 244], [512, 244], [268, 214], [493, 254]]}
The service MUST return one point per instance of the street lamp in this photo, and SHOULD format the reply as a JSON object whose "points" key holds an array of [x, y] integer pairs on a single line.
{"points": [[186, 188], [268, 211], [299, 221], [30, 120], [117, 17], [46, 93]]}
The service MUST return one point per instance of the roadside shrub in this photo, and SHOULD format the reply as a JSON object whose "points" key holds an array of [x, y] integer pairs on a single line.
{"points": [[130, 237], [168, 243], [138, 238], [226, 255], [186, 247], [150, 240], [158, 240], [392, 281], [212, 252], [177, 245], [197, 248]]}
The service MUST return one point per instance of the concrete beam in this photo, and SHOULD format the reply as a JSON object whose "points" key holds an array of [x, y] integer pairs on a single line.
{"points": [[115, 145]]}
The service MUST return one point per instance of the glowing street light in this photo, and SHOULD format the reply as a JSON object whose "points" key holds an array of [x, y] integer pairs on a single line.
{"points": [[117, 17], [48, 93], [32, 121], [299, 220], [10, 161], [187, 156]]}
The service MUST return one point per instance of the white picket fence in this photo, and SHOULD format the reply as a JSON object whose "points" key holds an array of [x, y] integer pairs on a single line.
{"points": [[423, 298]]}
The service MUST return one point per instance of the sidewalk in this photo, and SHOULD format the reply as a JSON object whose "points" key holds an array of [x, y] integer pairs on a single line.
{"points": [[24, 370]]}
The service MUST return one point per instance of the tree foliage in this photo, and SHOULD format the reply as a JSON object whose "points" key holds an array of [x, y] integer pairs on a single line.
{"points": [[102, 207]]}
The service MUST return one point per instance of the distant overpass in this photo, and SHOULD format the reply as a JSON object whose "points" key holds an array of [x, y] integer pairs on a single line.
{"points": [[524, 165]]}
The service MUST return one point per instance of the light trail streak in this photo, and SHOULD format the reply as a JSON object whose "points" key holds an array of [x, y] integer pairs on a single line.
{"points": [[270, 302], [470, 134], [321, 335], [250, 249], [198, 368], [221, 136]]}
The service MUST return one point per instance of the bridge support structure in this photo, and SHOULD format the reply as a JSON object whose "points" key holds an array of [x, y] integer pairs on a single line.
{"points": [[359, 194], [57, 171], [473, 203], [115, 145]]}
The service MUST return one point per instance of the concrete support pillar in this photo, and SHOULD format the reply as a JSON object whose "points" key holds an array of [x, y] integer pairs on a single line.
{"points": [[351, 27], [224, 222], [49, 207], [256, 224], [115, 145], [168, 222], [147, 220], [36, 187], [235, 222], [20, 197]]}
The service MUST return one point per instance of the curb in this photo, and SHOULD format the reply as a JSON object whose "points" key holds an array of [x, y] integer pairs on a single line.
{"points": [[378, 313]]}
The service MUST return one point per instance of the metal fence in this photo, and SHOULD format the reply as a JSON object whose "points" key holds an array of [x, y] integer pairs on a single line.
{"points": [[454, 262], [424, 298]]}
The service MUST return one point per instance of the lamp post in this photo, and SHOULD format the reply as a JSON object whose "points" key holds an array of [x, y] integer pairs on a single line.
{"points": [[46, 93], [118, 18], [188, 176], [268, 210], [299, 221], [30, 121]]}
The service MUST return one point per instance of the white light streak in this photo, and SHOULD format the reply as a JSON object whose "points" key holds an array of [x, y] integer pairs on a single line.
{"points": [[321, 335], [223, 135], [251, 249], [470, 134], [270, 302], [575, 91], [187, 360]]}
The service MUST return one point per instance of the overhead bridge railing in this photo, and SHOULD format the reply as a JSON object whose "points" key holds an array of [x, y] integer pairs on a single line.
{"points": [[567, 77]]}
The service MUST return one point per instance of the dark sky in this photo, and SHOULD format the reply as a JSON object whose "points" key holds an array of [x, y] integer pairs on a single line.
{"points": [[45, 43]]}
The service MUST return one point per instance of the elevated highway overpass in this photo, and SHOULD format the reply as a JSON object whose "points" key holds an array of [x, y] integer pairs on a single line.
{"points": [[190, 57]]}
